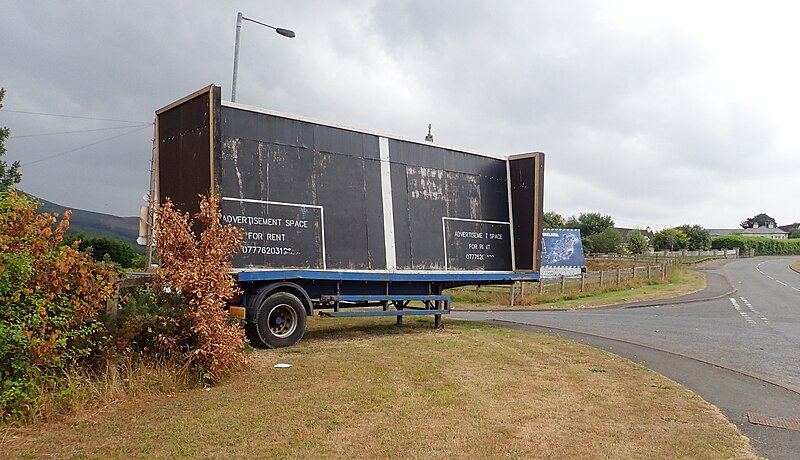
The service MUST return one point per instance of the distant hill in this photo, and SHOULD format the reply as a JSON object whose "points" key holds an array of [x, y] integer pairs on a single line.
{"points": [[96, 223]]}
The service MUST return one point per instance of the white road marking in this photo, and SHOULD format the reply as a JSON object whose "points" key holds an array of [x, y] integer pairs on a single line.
{"points": [[743, 313], [758, 268], [754, 311]]}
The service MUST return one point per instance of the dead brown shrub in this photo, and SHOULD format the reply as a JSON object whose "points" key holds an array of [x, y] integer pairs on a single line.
{"points": [[198, 268]]}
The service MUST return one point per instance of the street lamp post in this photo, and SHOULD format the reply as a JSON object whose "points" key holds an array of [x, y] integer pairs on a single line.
{"points": [[239, 18]]}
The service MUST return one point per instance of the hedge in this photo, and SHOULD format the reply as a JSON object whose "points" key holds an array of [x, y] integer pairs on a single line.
{"points": [[762, 246]]}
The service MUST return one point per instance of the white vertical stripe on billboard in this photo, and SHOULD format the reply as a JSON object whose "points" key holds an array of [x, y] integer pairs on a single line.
{"points": [[388, 212]]}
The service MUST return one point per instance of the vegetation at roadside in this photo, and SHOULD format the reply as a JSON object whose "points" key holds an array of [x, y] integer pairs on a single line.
{"points": [[51, 302], [61, 340], [761, 246], [679, 281], [364, 388], [199, 270], [796, 265]]}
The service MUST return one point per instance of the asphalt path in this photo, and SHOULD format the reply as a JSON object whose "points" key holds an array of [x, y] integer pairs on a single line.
{"points": [[736, 344]]}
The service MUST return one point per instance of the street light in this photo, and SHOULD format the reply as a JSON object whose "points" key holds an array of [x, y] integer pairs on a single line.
{"points": [[239, 18]]}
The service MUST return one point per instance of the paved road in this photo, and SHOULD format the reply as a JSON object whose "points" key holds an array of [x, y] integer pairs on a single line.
{"points": [[740, 350]]}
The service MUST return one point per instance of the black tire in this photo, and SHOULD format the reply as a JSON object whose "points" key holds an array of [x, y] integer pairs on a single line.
{"points": [[280, 321]]}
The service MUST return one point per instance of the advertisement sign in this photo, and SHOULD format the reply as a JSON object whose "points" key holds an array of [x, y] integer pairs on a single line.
{"points": [[562, 253]]}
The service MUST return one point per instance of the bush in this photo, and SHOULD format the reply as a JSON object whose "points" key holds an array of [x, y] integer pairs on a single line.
{"points": [[147, 320], [51, 301], [762, 246], [198, 267]]}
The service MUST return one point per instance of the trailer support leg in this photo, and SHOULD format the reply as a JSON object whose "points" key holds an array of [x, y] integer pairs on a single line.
{"points": [[399, 307], [437, 319]]}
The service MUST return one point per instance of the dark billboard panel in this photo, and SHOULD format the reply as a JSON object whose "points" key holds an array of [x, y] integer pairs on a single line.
{"points": [[314, 195]]}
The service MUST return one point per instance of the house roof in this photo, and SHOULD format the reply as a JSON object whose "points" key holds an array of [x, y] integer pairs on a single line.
{"points": [[763, 231], [624, 232]]}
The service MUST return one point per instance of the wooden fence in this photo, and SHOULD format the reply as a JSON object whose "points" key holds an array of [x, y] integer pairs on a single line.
{"points": [[588, 281]]}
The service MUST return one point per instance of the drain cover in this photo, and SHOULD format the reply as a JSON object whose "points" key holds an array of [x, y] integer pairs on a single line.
{"points": [[777, 422]]}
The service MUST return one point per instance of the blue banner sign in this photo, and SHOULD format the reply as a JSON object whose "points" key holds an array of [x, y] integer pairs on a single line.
{"points": [[562, 252]]}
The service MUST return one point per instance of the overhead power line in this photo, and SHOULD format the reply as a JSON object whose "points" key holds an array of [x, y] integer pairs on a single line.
{"points": [[49, 157], [74, 116], [14, 136]]}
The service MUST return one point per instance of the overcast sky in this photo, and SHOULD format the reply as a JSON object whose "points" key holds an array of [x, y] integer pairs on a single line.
{"points": [[656, 113]]}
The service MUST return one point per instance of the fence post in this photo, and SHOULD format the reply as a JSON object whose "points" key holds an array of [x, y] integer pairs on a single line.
{"points": [[563, 283], [583, 281], [522, 289], [541, 286], [513, 292], [601, 279], [649, 272], [619, 276], [634, 272]]}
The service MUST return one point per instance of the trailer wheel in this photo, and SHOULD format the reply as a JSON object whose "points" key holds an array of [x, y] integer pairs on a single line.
{"points": [[280, 321]]}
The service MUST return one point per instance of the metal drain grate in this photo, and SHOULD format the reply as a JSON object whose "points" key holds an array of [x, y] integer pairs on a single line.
{"points": [[777, 422]]}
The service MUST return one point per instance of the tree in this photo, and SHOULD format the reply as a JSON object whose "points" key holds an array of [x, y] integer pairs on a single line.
{"points": [[637, 242], [102, 248], [606, 242], [9, 176], [553, 220], [763, 220], [592, 223], [671, 239], [795, 233], [699, 238]]}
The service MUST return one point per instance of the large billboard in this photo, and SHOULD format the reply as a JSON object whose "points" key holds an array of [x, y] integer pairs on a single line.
{"points": [[562, 252]]}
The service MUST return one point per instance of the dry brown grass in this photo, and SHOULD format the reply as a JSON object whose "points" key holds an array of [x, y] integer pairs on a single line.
{"points": [[367, 389], [796, 266]]}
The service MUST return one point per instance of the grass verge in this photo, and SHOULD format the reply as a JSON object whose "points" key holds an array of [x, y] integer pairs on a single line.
{"points": [[682, 281], [127, 377], [364, 388], [796, 266]]}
